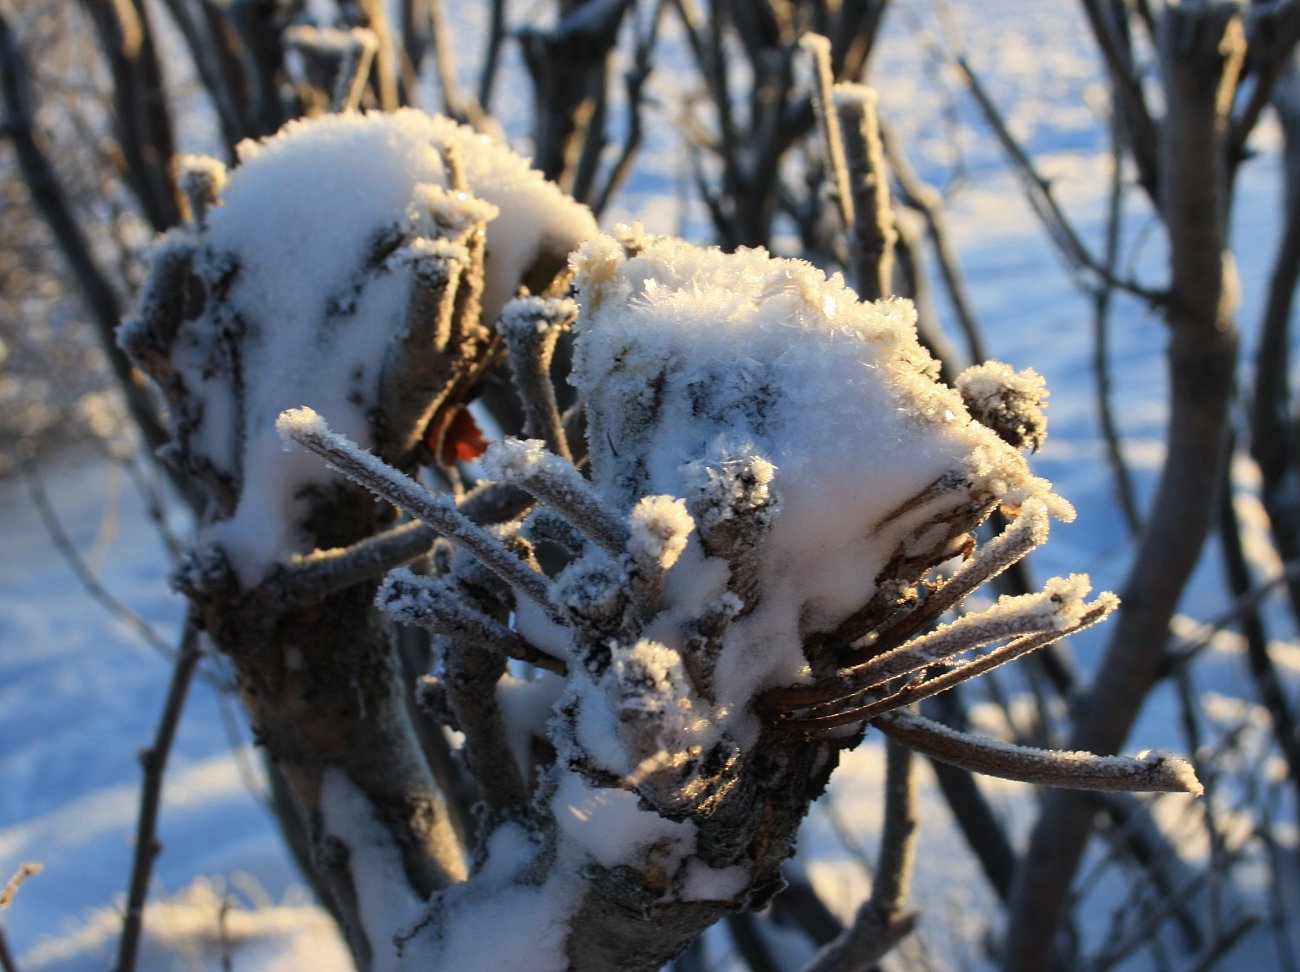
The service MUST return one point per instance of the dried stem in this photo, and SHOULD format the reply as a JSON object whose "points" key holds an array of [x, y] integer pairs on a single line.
{"points": [[25, 870], [350, 84], [925, 199], [1101, 303]]}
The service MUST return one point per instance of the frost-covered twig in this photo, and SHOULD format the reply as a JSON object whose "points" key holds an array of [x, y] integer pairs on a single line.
{"points": [[828, 125], [531, 326], [325, 572], [154, 762], [308, 429], [1057, 610], [1152, 771], [871, 234], [560, 486], [922, 687], [432, 604]]}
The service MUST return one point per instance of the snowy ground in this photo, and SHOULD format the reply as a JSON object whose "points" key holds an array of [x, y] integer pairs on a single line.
{"points": [[80, 692]]}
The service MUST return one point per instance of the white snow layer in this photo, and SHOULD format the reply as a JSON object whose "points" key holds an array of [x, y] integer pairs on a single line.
{"points": [[297, 229], [692, 361]]}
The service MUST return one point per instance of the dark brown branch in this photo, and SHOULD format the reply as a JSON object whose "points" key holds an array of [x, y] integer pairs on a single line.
{"points": [[926, 200], [140, 115], [496, 34], [1268, 683], [634, 84], [1273, 37], [1111, 35], [154, 761]]}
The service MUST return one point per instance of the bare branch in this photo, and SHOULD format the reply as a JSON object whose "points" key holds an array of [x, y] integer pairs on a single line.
{"points": [[1038, 192], [65, 546], [1130, 103]]}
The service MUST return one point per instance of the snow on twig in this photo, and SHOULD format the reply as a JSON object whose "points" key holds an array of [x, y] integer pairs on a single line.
{"points": [[305, 427]]}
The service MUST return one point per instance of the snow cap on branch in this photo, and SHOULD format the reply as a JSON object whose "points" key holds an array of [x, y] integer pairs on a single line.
{"points": [[695, 364], [297, 287]]}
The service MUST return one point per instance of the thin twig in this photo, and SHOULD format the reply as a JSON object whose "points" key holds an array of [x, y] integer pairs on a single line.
{"points": [[154, 762], [927, 200], [634, 83], [7, 963], [89, 581], [1038, 193], [1126, 89], [880, 922], [1101, 303], [1280, 25]]}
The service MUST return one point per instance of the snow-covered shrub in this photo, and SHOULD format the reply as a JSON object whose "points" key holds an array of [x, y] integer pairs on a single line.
{"points": [[774, 468], [653, 662]]}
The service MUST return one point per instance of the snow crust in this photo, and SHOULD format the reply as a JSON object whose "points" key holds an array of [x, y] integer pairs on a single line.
{"points": [[298, 251]]}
